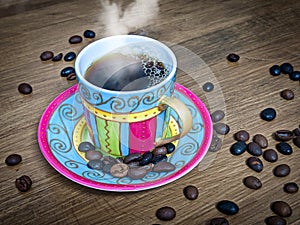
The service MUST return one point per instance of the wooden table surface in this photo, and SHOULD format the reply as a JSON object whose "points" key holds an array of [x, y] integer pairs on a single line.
{"points": [[263, 33]]}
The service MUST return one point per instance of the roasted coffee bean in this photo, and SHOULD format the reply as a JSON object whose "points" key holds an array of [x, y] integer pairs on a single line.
{"points": [[227, 207], [217, 116], [255, 164], [281, 208], [241, 135], [137, 172], [283, 135], [208, 87], [89, 34], [134, 164], [109, 160], [146, 159], [163, 166], [221, 128], [291, 187], [25, 88], [119, 170], [191, 192], [295, 75], [170, 147], [86, 146], [275, 220], [219, 221], [165, 213], [120, 160], [162, 150], [57, 58], [268, 114], [275, 70], [296, 141], [95, 164], [270, 155], [215, 145], [23, 183], [232, 57], [13, 159], [281, 170], [286, 68], [252, 182], [238, 148], [296, 132], [261, 140], [71, 76], [254, 149], [284, 148], [46, 55], [70, 56], [148, 167], [67, 71], [75, 39], [106, 168], [287, 94], [93, 155], [158, 158], [132, 157]]}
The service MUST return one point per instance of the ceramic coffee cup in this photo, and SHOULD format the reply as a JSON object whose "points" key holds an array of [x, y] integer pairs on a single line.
{"points": [[124, 122]]}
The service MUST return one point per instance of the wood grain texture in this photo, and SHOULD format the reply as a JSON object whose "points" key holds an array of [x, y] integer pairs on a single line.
{"points": [[263, 33]]}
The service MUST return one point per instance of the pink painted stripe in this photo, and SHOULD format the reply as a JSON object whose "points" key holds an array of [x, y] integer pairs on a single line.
{"points": [[142, 135]]}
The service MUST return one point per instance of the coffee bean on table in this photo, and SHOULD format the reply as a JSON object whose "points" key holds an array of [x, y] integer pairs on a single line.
{"points": [[232, 57], [281, 170], [70, 56], [23, 183], [255, 164], [270, 155], [254, 149], [287, 94], [57, 58], [252, 182], [291, 187], [296, 141], [89, 34], [146, 159], [93, 155], [133, 157], [191, 192], [208, 86], [216, 144], [268, 114], [238, 148], [275, 220], [165, 213], [71, 76], [170, 147], [241, 135], [25, 88], [95, 164], [75, 39], [284, 148], [162, 150], [286, 68], [221, 128], [67, 71], [219, 221], [227, 207], [46, 55], [275, 70], [163, 166], [119, 170], [217, 116], [261, 140], [281, 208], [295, 75], [283, 135], [86, 146], [13, 159], [296, 132]]}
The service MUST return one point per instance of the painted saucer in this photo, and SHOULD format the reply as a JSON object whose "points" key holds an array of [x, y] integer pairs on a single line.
{"points": [[62, 128]]}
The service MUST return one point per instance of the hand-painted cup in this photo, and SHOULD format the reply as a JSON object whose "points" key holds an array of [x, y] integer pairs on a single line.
{"points": [[126, 122]]}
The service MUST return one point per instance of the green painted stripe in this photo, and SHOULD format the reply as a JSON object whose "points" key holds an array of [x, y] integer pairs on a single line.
{"points": [[101, 133]]}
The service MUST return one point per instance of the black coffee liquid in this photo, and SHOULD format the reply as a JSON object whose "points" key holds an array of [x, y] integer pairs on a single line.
{"points": [[120, 72]]}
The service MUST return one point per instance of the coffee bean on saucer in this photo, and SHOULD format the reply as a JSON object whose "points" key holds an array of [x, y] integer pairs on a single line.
{"points": [[57, 58], [275, 220], [208, 86], [275, 70], [296, 141], [217, 116], [158, 158], [268, 114], [281, 208], [291, 187], [132, 157], [219, 221], [252, 182], [295, 75], [241, 135], [146, 158], [67, 71], [89, 34], [163, 166], [133, 164], [283, 135], [286, 68], [23, 183], [95, 164], [284, 148], [170, 147], [227, 207], [162, 150], [191, 192], [238, 148], [270, 155], [281, 170], [137, 172], [25, 88], [13, 159], [287, 94], [86, 146], [221, 128], [232, 57], [93, 155], [46, 55], [119, 170], [70, 56], [255, 164], [261, 140], [71, 76], [165, 213], [109, 160], [75, 39], [254, 149]]}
